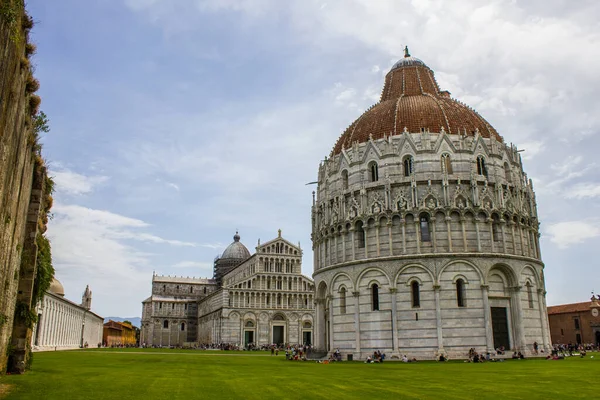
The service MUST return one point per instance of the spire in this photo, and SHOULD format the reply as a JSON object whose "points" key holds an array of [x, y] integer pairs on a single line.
{"points": [[406, 53]]}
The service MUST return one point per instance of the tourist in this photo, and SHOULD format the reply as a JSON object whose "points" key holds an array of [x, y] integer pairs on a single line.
{"points": [[535, 347]]}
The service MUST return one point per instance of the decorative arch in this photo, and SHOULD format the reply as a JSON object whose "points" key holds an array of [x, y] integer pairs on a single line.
{"points": [[357, 283], [339, 275], [278, 316], [479, 273], [322, 290], [537, 280], [508, 273], [414, 266]]}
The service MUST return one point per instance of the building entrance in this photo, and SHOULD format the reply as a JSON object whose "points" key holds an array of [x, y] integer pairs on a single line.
{"points": [[307, 338], [278, 335], [597, 338], [500, 327], [248, 337]]}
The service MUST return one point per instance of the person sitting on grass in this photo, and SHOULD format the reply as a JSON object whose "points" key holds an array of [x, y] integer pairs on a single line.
{"points": [[369, 360], [515, 356], [442, 358]]}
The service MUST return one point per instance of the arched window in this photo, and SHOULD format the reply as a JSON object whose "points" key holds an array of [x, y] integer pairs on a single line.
{"points": [[164, 288], [460, 293], [507, 174], [343, 300], [166, 324], [360, 235], [375, 297], [374, 172], [191, 289], [446, 164], [345, 179], [182, 326], [481, 168], [425, 233], [408, 166], [416, 295], [529, 295], [249, 324]]}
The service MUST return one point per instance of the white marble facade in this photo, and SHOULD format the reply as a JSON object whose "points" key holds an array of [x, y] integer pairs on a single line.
{"points": [[426, 243], [263, 298], [63, 324]]}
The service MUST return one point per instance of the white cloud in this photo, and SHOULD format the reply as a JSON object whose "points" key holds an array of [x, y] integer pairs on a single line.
{"points": [[585, 190], [72, 183], [568, 233], [532, 148]]}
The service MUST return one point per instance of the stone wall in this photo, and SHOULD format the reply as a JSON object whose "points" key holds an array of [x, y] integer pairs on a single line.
{"points": [[19, 167]]}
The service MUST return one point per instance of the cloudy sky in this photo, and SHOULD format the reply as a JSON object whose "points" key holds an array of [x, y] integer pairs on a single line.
{"points": [[174, 123]]}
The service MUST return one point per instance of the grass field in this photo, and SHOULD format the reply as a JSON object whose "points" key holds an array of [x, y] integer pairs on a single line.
{"points": [[180, 374]]}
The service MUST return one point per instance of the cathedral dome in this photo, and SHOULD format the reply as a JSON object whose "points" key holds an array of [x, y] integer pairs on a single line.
{"points": [[236, 250], [411, 99], [56, 287]]}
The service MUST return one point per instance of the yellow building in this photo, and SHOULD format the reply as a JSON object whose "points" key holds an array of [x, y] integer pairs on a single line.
{"points": [[116, 334]]}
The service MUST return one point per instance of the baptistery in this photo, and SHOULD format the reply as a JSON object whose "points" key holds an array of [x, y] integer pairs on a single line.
{"points": [[425, 231]]}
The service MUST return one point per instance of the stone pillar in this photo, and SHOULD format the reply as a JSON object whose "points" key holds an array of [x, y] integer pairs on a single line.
{"points": [[344, 236], [502, 226], [389, 224], [544, 320], [487, 316], [490, 222], [464, 233], [331, 343], [403, 224], [418, 234], [433, 234], [317, 326], [353, 243], [518, 320], [366, 233], [378, 247], [393, 292], [478, 234], [357, 322], [438, 315]]}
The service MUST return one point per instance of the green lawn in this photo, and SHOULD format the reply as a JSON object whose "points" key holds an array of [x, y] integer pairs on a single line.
{"points": [[181, 374]]}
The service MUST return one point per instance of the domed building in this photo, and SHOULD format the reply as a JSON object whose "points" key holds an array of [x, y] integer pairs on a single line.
{"points": [[252, 300], [233, 256], [425, 231], [63, 324]]}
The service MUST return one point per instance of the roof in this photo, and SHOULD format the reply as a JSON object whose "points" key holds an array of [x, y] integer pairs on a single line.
{"points": [[236, 250], [72, 303], [183, 279], [570, 308], [411, 100]]}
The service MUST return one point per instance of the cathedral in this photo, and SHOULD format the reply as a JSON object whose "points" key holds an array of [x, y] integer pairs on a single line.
{"points": [[252, 300], [425, 231]]}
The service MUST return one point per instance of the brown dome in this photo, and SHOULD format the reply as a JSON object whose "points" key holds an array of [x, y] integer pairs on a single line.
{"points": [[412, 99]]}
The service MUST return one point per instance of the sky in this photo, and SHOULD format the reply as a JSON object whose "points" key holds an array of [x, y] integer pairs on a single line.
{"points": [[176, 123]]}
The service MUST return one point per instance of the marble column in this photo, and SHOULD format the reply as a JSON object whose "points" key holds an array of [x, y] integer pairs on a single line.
{"points": [[357, 322], [544, 320], [393, 292], [478, 234], [518, 320], [487, 316], [438, 315]]}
